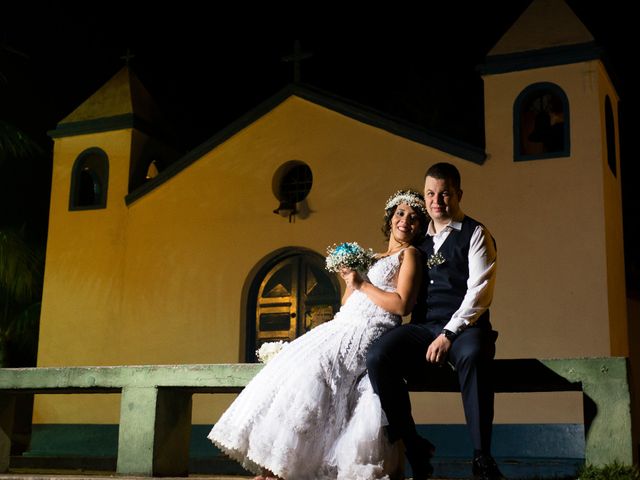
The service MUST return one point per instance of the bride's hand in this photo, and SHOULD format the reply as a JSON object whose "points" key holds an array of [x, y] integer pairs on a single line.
{"points": [[353, 280]]}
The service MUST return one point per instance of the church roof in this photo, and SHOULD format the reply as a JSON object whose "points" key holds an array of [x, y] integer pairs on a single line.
{"points": [[346, 107], [122, 102], [547, 33], [544, 24]]}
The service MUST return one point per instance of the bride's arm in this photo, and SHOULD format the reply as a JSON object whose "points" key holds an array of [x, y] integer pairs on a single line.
{"points": [[347, 293], [403, 299]]}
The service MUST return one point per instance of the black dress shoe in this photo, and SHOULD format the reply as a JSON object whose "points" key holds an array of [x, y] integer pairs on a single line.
{"points": [[484, 468], [419, 455]]}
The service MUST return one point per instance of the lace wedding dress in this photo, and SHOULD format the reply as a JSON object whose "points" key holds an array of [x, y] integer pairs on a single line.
{"points": [[311, 412]]}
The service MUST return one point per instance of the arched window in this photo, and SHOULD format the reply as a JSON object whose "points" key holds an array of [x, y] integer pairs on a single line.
{"points": [[290, 294], [152, 170], [611, 135], [541, 123], [146, 168], [89, 180]]}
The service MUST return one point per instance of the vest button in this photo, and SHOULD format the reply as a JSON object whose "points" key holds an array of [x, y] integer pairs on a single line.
{"points": [[431, 281]]}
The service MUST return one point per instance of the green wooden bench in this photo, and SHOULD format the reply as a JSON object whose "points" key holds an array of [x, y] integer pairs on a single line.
{"points": [[155, 410], [155, 406], [604, 383]]}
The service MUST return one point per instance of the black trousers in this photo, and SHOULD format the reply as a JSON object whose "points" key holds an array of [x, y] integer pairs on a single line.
{"points": [[398, 356]]}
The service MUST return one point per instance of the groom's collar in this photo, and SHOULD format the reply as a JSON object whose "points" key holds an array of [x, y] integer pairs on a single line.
{"points": [[454, 224]]}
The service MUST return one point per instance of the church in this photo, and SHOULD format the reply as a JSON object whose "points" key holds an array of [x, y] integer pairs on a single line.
{"points": [[157, 258]]}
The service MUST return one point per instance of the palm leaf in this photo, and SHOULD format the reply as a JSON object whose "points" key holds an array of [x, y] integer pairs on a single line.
{"points": [[21, 268], [15, 144], [24, 325]]}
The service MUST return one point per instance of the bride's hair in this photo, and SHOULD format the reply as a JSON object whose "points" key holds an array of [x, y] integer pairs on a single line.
{"points": [[420, 211]]}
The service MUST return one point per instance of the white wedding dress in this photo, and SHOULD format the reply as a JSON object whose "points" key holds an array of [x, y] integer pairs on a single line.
{"points": [[311, 412]]}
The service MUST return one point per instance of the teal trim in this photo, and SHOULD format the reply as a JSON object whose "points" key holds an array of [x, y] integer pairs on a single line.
{"points": [[350, 109], [522, 450], [545, 57], [200, 446], [509, 440], [106, 124], [562, 440], [73, 440]]}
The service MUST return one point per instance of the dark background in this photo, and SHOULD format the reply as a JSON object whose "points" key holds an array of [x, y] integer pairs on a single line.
{"points": [[206, 65]]}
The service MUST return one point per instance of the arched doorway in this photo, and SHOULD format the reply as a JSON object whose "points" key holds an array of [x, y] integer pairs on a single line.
{"points": [[289, 296]]}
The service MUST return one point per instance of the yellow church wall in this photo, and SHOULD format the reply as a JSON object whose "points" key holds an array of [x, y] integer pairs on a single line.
{"points": [[83, 274], [555, 295], [548, 221], [84, 254], [612, 204]]}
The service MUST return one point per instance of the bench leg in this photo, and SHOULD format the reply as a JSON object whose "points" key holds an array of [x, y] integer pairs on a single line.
{"points": [[155, 427], [607, 406], [609, 435], [7, 410], [137, 431]]}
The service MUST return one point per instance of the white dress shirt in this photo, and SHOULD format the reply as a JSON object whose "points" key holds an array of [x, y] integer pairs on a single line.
{"points": [[482, 273]]}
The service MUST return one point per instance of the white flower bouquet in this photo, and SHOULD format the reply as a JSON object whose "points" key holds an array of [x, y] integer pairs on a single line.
{"points": [[349, 255], [268, 350]]}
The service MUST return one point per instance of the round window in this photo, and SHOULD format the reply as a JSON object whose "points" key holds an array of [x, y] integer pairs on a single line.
{"points": [[291, 185]]}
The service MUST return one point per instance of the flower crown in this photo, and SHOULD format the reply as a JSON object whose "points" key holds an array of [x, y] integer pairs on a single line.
{"points": [[410, 197]]}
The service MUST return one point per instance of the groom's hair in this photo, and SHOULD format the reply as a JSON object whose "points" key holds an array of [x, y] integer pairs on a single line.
{"points": [[444, 171]]}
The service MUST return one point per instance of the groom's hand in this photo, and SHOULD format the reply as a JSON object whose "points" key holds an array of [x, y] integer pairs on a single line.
{"points": [[437, 351]]}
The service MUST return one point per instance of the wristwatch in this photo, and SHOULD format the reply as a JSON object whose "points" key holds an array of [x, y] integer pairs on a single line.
{"points": [[451, 336]]}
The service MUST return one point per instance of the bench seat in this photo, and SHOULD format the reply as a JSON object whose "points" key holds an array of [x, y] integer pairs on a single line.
{"points": [[155, 410]]}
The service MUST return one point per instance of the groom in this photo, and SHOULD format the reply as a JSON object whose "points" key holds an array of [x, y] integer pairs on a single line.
{"points": [[450, 323]]}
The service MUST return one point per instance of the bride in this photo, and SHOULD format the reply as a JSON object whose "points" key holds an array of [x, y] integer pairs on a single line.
{"points": [[311, 412]]}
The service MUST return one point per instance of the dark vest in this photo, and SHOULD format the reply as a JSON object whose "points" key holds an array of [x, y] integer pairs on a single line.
{"points": [[444, 285]]}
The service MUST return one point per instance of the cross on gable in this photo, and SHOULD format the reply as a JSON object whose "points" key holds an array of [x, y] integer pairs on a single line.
{"points": [[127, 57], [296, 58]]}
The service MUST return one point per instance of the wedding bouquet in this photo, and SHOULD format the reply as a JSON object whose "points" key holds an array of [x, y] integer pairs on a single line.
{"points": [[268, 350], [349, 255]]}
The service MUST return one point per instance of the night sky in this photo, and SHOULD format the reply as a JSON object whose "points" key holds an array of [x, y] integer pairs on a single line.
{"points": [[207, 65]]}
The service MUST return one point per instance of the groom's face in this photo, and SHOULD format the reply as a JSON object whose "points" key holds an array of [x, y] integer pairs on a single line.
{"points": [[442, 199]]}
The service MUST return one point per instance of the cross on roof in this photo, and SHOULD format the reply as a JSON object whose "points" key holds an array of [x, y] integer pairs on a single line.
{"points": [[127, 57], [296, 58]]}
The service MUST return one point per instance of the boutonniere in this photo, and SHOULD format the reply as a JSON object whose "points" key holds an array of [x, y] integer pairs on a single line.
{"points": [[435, 259]]}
